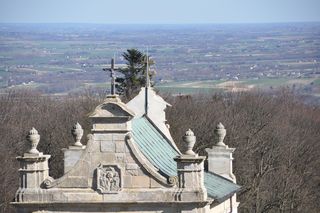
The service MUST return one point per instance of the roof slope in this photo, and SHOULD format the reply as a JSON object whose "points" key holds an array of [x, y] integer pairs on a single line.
{"points": [[219, 188], [159, 151], [154, 146]]}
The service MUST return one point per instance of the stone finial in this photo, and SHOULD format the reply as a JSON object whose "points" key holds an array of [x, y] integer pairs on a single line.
{"points": [[189, 140], [220, 132], [33, 138], [77, 133]]}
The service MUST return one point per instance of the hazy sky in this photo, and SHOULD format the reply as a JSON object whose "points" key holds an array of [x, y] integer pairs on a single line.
{"points": [[158, 11]]}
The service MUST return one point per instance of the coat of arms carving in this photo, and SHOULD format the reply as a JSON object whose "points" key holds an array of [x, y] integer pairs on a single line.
{"points": [[108, 178]]}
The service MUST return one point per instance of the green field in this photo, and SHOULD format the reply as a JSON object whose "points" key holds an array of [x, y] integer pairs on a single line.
{"points": [[63, 60], [192, 87]]}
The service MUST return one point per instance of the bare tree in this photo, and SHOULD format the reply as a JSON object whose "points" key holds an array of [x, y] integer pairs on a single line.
{"points": [[276, 139], [277, 145]]}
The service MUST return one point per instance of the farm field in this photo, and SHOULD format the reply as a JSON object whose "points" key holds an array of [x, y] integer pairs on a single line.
{"points": [[210, 86], [60, 59]]}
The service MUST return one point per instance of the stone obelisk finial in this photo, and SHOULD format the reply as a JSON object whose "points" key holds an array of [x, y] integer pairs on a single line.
{"points": [[77, 133], [220, 132], [33, 138], [189, 141]]}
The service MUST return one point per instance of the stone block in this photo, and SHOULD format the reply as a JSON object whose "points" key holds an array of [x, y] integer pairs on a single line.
{"points": [[127, 149], [101, 137], [107, 146], [103, 158], [120, 157], [142, 172], [133, 172], [155, 184], [110, 126], [118, 137], [109, 158], [75, 182], [83, 167], [95, 147], [129, 159], [127, 181], [59, 197], [140, 182], [132, 166], [120, 146], [79, 197], [71, 157]]}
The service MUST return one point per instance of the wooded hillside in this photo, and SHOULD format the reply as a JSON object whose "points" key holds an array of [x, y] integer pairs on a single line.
{"points": [[277, 140]]}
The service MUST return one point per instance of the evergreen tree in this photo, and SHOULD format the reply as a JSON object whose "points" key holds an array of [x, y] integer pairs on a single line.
{"points": [[133, 76]]}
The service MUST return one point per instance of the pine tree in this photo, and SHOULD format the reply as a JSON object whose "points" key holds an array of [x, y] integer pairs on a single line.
{"points": [[133, 76]]}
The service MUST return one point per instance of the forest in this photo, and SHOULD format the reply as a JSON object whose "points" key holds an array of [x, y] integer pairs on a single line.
{"points": [[276, 137]]}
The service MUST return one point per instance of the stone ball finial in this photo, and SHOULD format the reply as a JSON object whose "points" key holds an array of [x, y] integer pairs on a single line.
{"points": [[77, 133], [220, 132], [189, 141], [33, 138]]}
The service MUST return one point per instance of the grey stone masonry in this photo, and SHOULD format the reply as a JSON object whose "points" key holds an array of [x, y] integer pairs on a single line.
{"points": [[190, 172], [33, 170], [220, 155], [111, 116], [74, 152], [220, 161], [191, 178], [71, 156]]}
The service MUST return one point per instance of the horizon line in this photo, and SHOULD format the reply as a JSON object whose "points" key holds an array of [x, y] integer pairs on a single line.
{"points": [[182, 23]]}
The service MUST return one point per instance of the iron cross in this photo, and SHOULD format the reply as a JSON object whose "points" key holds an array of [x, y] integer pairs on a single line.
{"points": [[112, 75]]}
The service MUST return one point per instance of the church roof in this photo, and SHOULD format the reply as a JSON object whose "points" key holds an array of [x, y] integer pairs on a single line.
{"points": [[218, 187], [156, 109], [159, 151]]}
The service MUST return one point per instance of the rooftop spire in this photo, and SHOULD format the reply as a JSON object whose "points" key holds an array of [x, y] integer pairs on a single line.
{"points": [[147, 83], [147, 72], [112, 77]]}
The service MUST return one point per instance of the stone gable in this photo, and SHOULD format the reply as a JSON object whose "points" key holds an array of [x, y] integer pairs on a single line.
{"points": [[128, 165]]}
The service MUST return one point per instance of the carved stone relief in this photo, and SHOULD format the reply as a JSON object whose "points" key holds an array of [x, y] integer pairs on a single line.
{"points": [[108, 179]]}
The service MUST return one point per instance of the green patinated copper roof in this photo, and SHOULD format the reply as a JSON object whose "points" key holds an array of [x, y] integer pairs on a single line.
{"points": [[154, 146], [158, 150], [219, 188]]}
